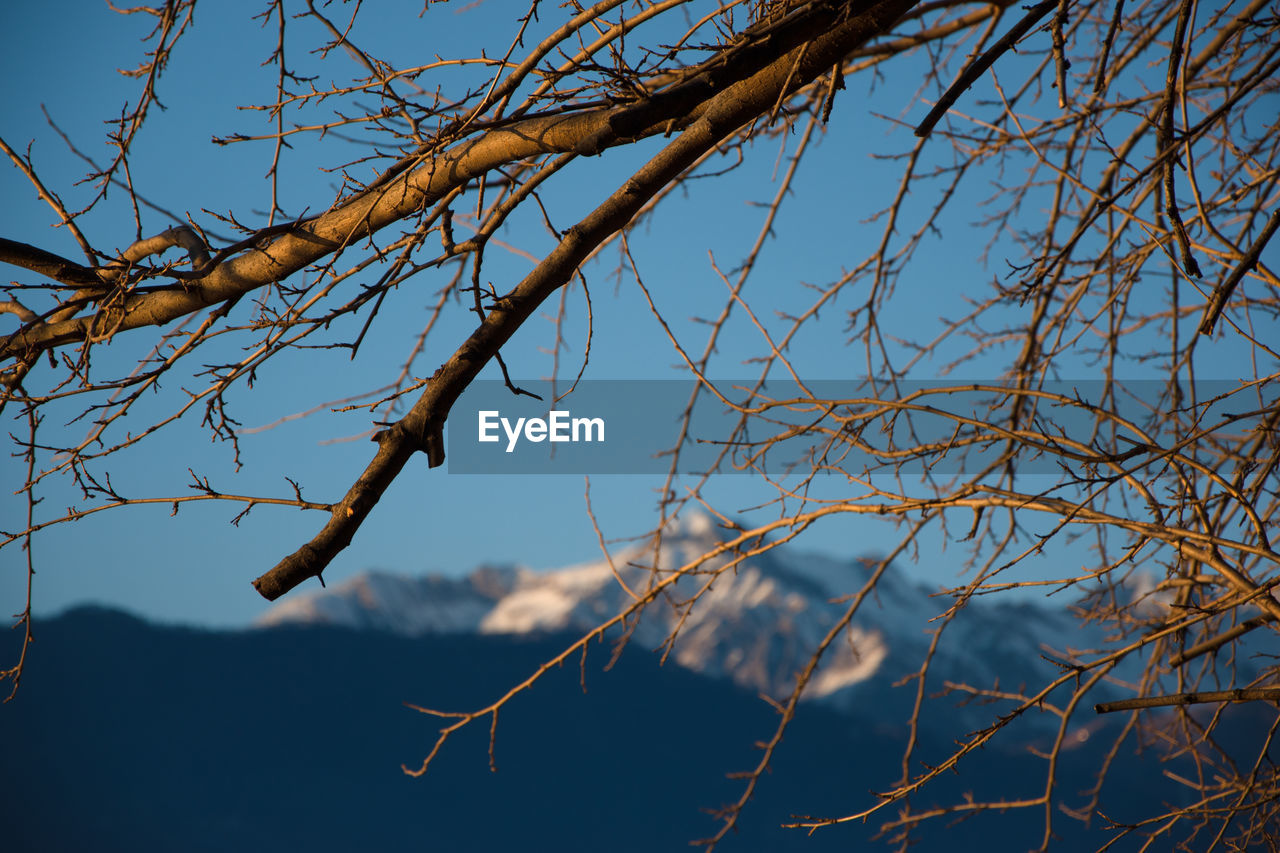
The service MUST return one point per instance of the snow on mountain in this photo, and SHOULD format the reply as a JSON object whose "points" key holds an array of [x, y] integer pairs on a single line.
{"points": [[404, 605], [757, 625]]}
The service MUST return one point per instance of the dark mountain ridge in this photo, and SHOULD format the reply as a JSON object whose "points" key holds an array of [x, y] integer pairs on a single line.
{"points": [[127, 735]]}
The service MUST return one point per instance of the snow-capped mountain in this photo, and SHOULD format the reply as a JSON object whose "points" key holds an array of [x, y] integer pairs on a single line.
{"points": [[757, 624]]}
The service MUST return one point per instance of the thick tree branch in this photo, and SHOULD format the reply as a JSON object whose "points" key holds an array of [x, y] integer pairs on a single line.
{"points": [[587, 132], [182, 236], [725, 112], [1214, 643], [310, 241], [48, 264], [1244, 694], [1222, 293], [973, 72]]}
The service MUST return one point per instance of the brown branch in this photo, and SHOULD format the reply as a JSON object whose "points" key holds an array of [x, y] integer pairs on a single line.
{"points": [[1221, 640], [47, 264], [181, 236], [976, 69], [587, 132], [310, 241], [23, 313], [420, 429], [1166, 141], [1222, 293], [1243, 694]]}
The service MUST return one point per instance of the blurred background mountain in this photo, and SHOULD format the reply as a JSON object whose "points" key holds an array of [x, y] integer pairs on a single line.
{"points": [[131, 735]]}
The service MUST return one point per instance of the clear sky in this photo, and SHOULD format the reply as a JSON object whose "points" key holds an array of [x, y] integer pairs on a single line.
{"points": [[196, 567]]}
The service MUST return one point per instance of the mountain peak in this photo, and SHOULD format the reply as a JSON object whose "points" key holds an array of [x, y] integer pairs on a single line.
{"points": [[379, 600], [756, 624]]}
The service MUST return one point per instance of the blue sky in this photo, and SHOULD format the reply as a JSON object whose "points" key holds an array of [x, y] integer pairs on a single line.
{"points": [[196, 567]]}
